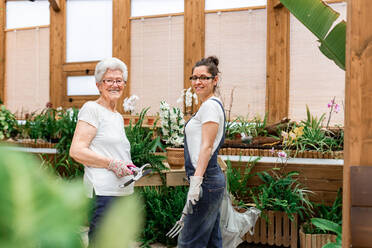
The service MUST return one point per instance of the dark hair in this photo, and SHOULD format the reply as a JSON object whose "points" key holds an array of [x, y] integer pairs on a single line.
{"points": [[211, 63]]}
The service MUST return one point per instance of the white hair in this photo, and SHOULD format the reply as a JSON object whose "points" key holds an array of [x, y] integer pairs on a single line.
{"points": [[112, 64]]}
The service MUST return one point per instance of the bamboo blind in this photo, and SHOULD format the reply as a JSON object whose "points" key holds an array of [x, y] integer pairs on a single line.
{"points": [[157, 61], [27, 69], [238, 39], [314, 79]]}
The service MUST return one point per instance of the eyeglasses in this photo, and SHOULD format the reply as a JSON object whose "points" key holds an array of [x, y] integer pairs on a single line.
{"points": [[112, 81], [201, 78]]}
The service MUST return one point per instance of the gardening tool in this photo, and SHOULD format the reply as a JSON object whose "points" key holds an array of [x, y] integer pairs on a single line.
{"points": [[176, 229], [138, 174]]}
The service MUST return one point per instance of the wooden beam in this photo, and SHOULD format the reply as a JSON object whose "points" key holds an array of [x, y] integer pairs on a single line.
{"points": [[55, 5], [2, 50], [121, 39], [358, 102], [57, 54], [194, 36], [277, 62]]}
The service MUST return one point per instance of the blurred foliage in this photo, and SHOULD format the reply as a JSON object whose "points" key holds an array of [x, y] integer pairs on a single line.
{"points": [[163, 207]]}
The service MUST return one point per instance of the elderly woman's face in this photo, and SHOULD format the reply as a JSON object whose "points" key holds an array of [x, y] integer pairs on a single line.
{"points": [[112, 85]]}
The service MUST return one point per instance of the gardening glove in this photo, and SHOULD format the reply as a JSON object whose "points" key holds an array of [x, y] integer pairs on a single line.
{"points": [[134, 169], [195, 192], [119, 167]]}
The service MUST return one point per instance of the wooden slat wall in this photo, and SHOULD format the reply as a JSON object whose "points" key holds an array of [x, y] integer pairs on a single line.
{"points": [[358, 104], [2, 50], [277, 61], [194, 46], [121, 38], [323, 180], [57, 54]]}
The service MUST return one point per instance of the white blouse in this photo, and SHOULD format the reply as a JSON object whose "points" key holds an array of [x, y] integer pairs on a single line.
{"points": [[110, 141]]}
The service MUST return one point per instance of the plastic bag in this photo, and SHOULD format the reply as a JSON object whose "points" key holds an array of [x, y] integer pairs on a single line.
{"points": [[235, 225]]}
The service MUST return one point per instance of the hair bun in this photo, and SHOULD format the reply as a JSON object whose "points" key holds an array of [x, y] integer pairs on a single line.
{"points": [[213, 59]]}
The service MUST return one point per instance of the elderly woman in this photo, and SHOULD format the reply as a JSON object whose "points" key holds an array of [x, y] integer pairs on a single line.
{"points": [[100, 142]]}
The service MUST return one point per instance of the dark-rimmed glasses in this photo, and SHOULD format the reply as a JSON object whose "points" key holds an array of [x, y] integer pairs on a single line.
{"points": [[201, 78]]}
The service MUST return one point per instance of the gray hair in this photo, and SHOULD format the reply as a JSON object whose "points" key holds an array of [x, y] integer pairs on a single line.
{"points": [[112, 64]]}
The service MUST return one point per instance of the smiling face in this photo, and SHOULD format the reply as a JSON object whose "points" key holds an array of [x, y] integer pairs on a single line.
{"points": [[112, 85], [203, 88]]}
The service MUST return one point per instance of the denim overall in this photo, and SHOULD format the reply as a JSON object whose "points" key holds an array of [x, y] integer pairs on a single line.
{"points": [[202, 227]]}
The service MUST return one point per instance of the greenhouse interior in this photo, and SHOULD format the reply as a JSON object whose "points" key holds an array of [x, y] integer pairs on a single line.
{"points": [[186, 123]]}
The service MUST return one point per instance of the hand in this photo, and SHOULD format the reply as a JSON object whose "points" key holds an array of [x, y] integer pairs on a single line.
{"points": [[119, 167], [133, 168], [195, 192]]}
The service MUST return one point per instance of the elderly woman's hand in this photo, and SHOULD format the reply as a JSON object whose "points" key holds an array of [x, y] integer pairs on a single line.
{"points": [[120, 168]]}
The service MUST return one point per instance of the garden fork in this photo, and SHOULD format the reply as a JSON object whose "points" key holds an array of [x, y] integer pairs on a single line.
{"points": [[176, 229]]}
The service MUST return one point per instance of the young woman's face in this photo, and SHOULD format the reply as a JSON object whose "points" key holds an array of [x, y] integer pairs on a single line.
{"points": [[112, 85], [203, 82]]}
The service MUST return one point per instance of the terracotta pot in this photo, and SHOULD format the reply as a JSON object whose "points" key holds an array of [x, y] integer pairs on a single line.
{"points": [[150, 121], [175, 157], [126, 121]]}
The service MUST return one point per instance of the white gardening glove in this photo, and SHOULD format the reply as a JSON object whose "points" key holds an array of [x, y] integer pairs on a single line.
{"points": [[195, 192]]}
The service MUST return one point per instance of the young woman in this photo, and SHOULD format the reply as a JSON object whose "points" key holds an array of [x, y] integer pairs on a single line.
{"points": [[204, 135]]}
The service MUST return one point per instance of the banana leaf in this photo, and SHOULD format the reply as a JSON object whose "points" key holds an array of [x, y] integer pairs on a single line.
{"points": [[319, 18]]}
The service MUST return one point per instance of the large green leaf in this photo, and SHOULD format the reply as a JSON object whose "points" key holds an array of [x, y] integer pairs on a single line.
{"points": [[327, 225], [334, 45], [319, 18]]}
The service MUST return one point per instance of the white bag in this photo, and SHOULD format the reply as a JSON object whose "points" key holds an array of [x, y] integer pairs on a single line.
{"points": [[235, 225]]}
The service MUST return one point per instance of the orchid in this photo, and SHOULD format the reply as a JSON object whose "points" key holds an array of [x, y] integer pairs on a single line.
{"points": [[188, 96], [334, 107], [172, 124], [130, 103]]}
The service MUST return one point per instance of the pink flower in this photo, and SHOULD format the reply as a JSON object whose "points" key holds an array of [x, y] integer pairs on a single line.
{"points": [[336, 108], [282, 154], [329, 105], [272, 151]]}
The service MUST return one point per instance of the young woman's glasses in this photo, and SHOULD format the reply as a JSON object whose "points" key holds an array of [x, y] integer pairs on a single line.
{"points": [[201, 78], [112, 81]]}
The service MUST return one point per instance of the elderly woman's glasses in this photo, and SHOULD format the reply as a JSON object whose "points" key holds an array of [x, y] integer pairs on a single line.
{"points": [[112, 81], [201, 78]]}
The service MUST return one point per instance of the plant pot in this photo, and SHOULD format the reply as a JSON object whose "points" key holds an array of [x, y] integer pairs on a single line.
{"points": [[315, 240], [279, 230], [150, 121], [175, 157], [126, 121]]}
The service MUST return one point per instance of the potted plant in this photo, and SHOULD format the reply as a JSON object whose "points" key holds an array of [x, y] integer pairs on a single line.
{"points": [[8, 123], [129, 105], [172, 124], [316, 235], [281, 198]]}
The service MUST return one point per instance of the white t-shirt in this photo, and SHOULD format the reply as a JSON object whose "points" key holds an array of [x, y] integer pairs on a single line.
{"points": [[210, 110], [110, 141]]}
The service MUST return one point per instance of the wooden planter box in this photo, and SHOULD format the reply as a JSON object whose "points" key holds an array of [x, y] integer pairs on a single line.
{"points": [[268, 153], [278, 231], [315, 240]]}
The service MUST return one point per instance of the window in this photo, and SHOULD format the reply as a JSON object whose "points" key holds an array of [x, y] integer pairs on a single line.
{"points": [[21, 14], [88, 30], [156, 7], [81, 86], [230, 4]]}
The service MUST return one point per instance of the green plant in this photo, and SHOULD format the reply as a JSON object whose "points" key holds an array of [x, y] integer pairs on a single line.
{"points": [[237, 181], [44, 125], [37, 209], [144, 145], [282, 192], [330, 226], [259, 126], [319, 18], [231, 129], [332, 213], [8, 123], [163, 207]]}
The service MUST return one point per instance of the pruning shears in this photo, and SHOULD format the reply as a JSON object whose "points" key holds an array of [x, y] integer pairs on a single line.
{"points": [[138, 174]]}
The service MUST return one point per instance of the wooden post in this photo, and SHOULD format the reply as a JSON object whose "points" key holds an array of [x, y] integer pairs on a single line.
{"points": [[194, 36], [277, 61], [121, 39], [55, 5], [57, 54], [358, 101], [2, 50]]}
